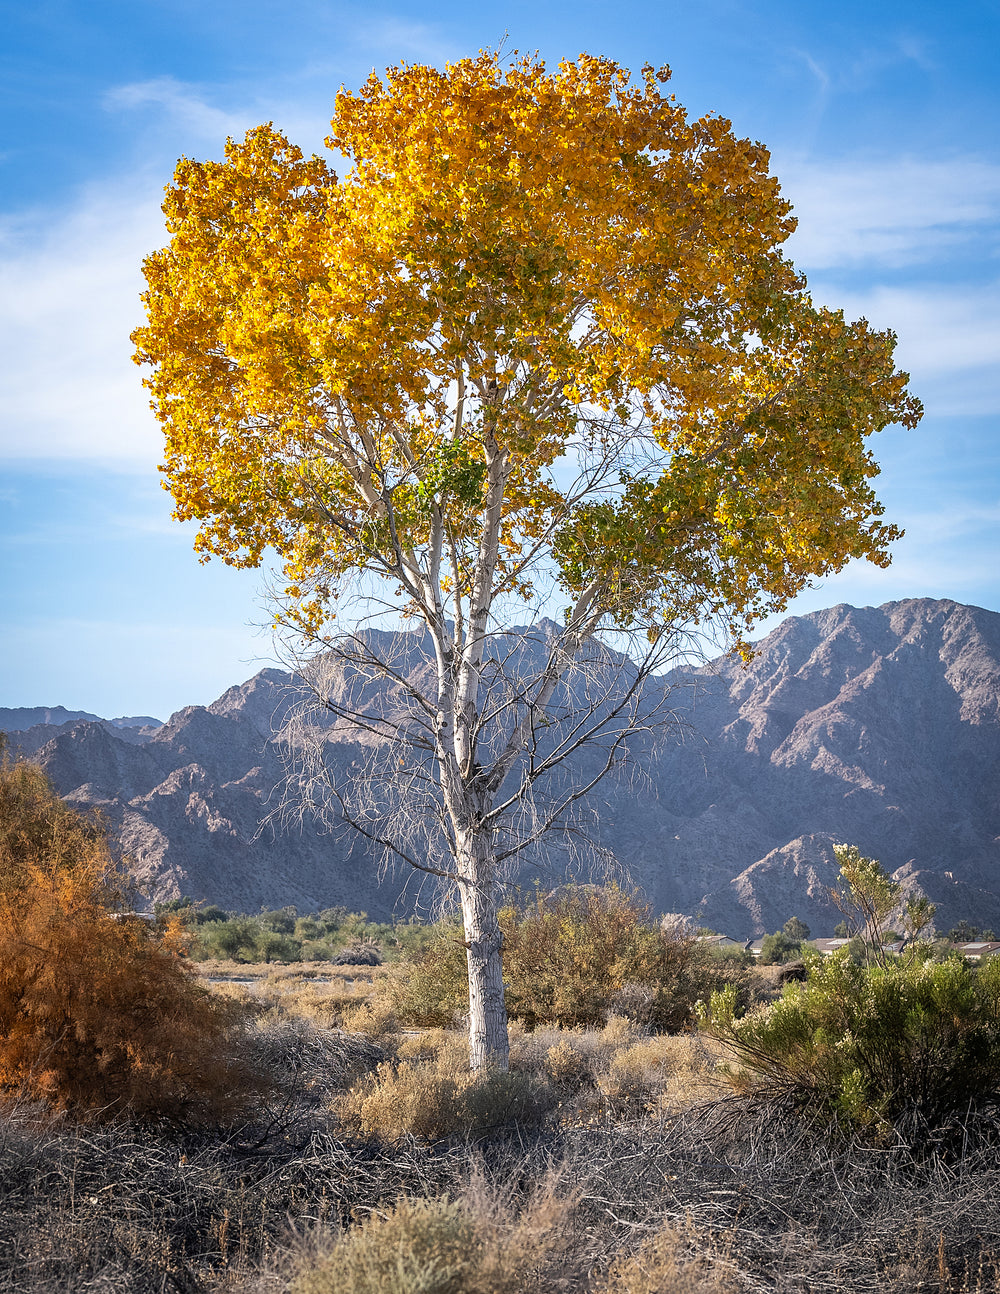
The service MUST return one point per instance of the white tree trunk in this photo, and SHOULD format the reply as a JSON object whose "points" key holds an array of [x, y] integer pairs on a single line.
{"points": [[489, 1047]]}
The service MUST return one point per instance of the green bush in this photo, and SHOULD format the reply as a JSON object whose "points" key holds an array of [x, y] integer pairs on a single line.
{"points": [[777, 949], [570, 961], [235, 939], [280, 935], [909, 1046]]}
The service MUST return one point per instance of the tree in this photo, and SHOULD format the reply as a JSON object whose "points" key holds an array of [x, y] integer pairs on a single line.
{"points": [[964, 933], [796, 929], [870, 899], [538, 347], [779, 948], [918, 917]]}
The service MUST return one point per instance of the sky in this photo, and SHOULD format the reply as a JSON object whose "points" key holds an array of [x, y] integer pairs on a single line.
{"points": [[882, 124]]}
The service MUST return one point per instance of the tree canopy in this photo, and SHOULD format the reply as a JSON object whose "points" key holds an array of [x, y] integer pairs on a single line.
{"points": [[517, 266]]}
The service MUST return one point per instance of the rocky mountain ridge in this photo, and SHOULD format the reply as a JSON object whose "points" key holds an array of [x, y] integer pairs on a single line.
{"points": [[879, 726]]}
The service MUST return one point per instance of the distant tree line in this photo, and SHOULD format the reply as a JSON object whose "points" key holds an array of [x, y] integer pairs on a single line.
{"points": [[282, 935]]}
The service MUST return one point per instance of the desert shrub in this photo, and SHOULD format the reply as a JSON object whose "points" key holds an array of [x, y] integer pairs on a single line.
{"points": [[909, 1046], [97, 1012], [435, 1100], [483, 1242], [432, 990], [672, 1261], [733, 959], [567, 1065], [660, 1074], [590, 952], [618, 1071], [441, 1047], [570, 961], [373, 1018], [530, 1049], [426, 1245]]}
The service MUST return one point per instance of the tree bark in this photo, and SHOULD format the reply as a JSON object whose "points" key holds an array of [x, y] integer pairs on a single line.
{"points": [[489, 1047]]}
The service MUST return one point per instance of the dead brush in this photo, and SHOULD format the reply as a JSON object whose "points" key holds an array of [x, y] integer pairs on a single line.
{"points": [[308, 1063]]}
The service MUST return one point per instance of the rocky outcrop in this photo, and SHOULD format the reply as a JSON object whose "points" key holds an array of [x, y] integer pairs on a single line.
{"points": [[878, 726]]}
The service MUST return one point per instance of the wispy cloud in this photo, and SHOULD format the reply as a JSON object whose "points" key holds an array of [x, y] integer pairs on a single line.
{"points": [[850, 71], [181, 117], [894, 212], [70, 284], [182, 103]]}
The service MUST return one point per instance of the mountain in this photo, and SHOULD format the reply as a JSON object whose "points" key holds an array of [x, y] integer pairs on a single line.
{"points": [[17, 720], [24, 718], [878, 726]]}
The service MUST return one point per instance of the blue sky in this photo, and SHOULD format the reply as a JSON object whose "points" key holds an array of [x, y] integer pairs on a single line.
{"points": [[882, 120]]}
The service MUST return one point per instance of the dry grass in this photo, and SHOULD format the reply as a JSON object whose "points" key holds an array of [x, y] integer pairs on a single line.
{"points": [[328, 996], [710, 1202], [491, 1239], [678, 1259], [665, 1074], [634, 1184], [431, 1101]]}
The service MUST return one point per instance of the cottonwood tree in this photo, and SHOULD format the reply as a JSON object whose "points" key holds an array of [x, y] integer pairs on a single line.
{"points": [[540, 335]]}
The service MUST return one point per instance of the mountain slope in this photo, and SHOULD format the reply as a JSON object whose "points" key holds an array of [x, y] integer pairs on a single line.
{"points": [[876, 726]]}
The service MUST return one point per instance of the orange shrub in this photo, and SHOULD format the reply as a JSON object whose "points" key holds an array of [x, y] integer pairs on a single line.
{"points": [[98, 1014]]}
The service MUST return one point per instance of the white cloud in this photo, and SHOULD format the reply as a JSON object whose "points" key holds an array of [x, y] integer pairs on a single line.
{"points": [[894, 212], [69, 297]]}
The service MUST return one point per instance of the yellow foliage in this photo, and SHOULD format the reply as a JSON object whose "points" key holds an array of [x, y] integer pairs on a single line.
{"points": [[350, 368]]}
